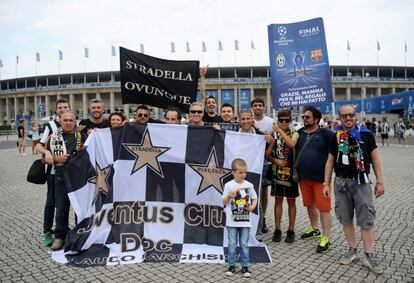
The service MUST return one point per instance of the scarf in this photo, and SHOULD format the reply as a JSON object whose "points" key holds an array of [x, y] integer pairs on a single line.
{"points": [[349, 146], [282, 175]]}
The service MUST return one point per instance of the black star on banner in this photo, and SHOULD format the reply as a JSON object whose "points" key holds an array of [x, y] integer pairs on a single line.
{"points": [[101, 181], [211, 174], [146, 154]]}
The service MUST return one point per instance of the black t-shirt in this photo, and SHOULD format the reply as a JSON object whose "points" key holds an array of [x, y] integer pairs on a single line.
{"points": [[20, 131], [91, 125], [367, 145], [211, 120]]}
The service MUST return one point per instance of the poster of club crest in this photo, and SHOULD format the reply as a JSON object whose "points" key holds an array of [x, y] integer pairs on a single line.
{"points": [[299, 64]]}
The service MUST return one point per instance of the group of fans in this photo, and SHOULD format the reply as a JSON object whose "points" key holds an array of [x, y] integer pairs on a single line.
{"points": [[302, 159]]}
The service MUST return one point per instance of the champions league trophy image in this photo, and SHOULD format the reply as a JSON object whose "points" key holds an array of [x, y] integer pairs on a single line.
{"points": [[298, 60]]}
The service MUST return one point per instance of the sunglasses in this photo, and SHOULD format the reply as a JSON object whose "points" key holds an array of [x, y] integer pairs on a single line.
{"points": [[345, 115], [306, 117], [142, 115], [284, 120], [196, 111]]}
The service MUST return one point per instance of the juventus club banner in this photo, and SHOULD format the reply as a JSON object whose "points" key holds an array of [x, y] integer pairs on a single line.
{"points": [[299, 64], [153, 193], [157, 82]]}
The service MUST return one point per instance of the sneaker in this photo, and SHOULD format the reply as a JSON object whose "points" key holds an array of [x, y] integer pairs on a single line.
{"points": [[372, 264], [350, 257], [311, 233], [264, 227], [290, 236], [246, 272], [57, 244], [277, 236], [323, 246], [47, 239], [231, 270]]}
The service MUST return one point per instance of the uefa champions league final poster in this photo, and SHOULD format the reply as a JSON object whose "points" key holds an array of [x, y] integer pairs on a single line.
{"points": [[299, 64]]}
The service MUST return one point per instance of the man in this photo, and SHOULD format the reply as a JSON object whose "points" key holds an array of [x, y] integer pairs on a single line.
{"points": [[312, 153], [173, 116], [384, 130], [63, 143], [21, 139], [97, 121], [400, 130], [196, 114], [211, 116], [51, 127], [227, 116], [264, 124], [142, 114], [351, 152]]}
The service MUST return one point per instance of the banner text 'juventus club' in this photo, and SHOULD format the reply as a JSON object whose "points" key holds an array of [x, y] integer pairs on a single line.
{"points": [[299, 64], [153, 193], [157, 82]]}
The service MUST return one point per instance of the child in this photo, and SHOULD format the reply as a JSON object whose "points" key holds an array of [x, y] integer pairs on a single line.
{"points": [[239, 198]]}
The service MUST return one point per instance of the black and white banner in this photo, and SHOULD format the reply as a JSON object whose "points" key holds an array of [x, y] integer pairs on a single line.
{"points": [[157, 82], [153, 193]]}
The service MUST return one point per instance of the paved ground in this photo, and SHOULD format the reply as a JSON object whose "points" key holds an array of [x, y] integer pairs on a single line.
{"points": [[23, 258]]}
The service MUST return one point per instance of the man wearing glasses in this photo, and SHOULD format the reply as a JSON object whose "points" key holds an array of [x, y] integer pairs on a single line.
{"points": [[142, 114], [351, 152], [196, 114], [312, 153]]}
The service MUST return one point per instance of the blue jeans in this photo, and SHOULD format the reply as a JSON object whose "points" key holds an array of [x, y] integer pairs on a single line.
{"points": [[241, 235]]}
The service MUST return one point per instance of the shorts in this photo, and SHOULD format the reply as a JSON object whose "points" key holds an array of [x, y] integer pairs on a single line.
{"points": [[312, 195], [351, 196], [21, 141], [266, 175], [284, 191], [384, 136]]}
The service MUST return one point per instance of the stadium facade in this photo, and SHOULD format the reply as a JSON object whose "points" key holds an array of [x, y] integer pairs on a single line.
{"points": [[34, 97]]}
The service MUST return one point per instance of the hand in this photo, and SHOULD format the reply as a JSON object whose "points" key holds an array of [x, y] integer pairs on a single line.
{"points": [[81, 128], [232, 194], [249, 208], [216, 127], [276, 127], [379, 190], [61, 158], [326, 191], [281, 162], [48, 157], [203, 72]]}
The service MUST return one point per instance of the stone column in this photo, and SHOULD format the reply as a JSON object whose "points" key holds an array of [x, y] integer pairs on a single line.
{"points": [[236, 96], [25, 106], [1, 111], [72, 101], [269, 101], [393, 89], [8, 110], [47, 105], [112, 101], [363, 92], [348, 93], [126, 110], [379, 91], [15, 106], [85, 105], [36, 107], [218, 99], [98, 95], [333, 93]]}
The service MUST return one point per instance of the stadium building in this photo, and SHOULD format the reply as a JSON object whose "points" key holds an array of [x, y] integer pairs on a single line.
{"points": [[377, 91]]}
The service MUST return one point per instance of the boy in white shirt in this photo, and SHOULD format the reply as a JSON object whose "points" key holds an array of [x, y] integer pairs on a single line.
{"points": [[239, 198]]}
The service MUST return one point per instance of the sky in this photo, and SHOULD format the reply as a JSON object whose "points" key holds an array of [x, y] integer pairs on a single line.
{"points": [[47, 26]]}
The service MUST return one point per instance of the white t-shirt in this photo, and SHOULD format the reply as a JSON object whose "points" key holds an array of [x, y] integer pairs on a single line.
{"points": [[236, 215], [265, 126]]}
